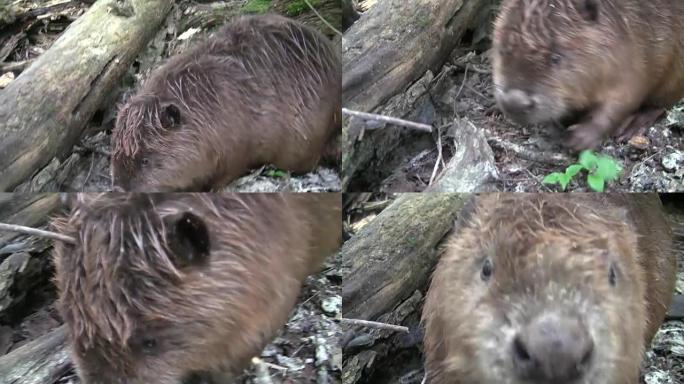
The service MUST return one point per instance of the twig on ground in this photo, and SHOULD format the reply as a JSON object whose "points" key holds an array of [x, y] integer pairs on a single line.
{"points": [[90, 171], [36, 232], [15, 66], [465, 77], [475, 91], [439, 156], [261, 372], [524, 153], [387, 119], [375, 324], [474, 68]]}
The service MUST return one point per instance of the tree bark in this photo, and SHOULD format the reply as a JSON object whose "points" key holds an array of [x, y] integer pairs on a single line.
{"points": [[391, 46], [392, 256], [41, 361], [44, 111]]}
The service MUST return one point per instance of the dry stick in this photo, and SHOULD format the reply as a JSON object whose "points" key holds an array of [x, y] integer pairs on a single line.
{"points": [[37, 232], [375, 324], [465, 76], [15, 66], [439, 156], [387, 119], [262, 374], [522, 152], [322, 19]]}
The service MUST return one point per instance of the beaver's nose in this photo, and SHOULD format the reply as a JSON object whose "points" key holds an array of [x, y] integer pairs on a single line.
{"points": [[552, 348], [515, 103]]}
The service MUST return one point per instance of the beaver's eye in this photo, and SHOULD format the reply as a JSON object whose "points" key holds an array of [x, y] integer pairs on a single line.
{"points": [[612, 275], [487, 270], [556, 58], [149, 344], [145, 162]]}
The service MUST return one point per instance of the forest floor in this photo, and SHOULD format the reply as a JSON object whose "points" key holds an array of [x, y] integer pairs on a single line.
{"points": [[523, 155]]}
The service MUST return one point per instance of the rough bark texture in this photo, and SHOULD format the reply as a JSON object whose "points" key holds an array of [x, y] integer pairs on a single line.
{"points": [[43, 112], [393, 255], [41, 361], [388, 48], [472, 168]]}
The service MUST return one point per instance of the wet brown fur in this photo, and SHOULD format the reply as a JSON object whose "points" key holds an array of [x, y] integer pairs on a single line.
{"points": [[264, 90], [627, 61], [550, 252], [121, 285]]}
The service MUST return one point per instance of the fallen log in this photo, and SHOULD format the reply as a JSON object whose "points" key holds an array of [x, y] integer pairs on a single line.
{"points": [[44, 111], [42, 361], [392, 256], [385, 51]]}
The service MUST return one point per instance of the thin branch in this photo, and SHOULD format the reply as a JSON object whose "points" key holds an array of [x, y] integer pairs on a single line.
{"points": [[387, 119], [375, 324], [261, 371], [16, 66], [37, 232], [439, 157], [524, 153], [322, 19]]}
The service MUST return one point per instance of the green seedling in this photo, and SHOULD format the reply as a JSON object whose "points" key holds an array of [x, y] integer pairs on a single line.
{"points": [[275, 173], [600, 169]]}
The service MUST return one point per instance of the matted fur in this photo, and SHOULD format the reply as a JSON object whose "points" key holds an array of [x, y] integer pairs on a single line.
{"points": [[118, 286], [551, 254], [615, 60], [264, 89]]}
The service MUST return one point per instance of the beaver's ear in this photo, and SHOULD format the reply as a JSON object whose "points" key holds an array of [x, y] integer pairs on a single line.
{"points": [[188, 239], [170, 116], [588, 9]]}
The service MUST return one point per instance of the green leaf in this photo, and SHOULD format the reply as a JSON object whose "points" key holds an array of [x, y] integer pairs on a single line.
{"points": [[595, 182], [607, 168], [573, 170], [588, 160], [564, 180], [552, 178], [275, 173]]}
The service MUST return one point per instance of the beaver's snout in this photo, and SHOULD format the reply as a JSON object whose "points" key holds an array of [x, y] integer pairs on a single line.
{"points": [[517, 104], [552, 348]]}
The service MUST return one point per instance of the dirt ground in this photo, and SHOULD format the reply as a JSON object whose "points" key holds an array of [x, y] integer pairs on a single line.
{"points": [[663, 363], [86, 168]]}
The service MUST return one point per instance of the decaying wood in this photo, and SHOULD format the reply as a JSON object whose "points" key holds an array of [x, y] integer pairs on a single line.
{"points": [[44, 111], [393, 255], [472, 168], [385, 267], [41, 361], [385, 51], [20, 11]]}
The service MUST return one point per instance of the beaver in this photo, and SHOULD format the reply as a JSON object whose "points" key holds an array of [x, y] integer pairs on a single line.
{"points": [[264, 90], [178, 288], [549, 288], [600, 67]]}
